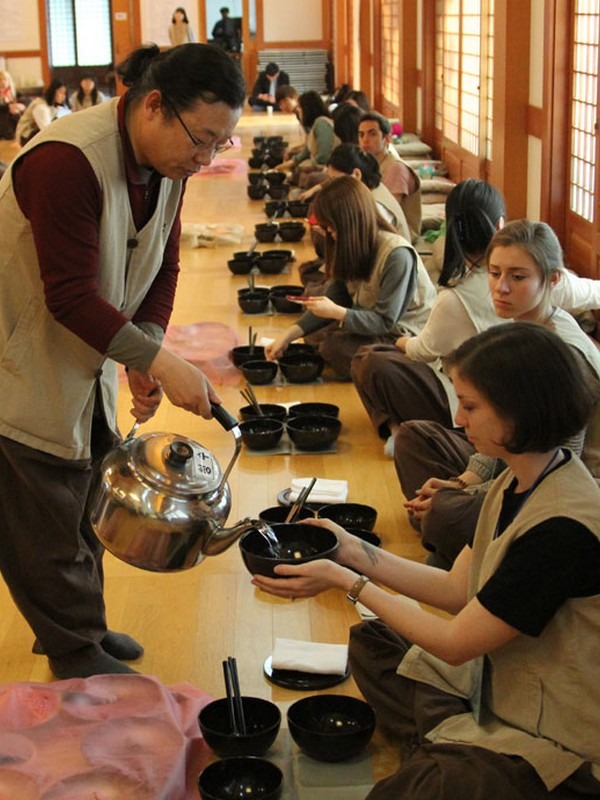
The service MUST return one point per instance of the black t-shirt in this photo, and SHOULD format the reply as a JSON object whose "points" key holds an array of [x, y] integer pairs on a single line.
{"points": [[554, 561]]}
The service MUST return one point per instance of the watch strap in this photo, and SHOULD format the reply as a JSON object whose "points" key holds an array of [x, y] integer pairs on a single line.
{"points": [[357, 588]]}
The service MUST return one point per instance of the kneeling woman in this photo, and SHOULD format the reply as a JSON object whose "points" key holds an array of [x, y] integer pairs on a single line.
{"points": [[500, 699], [377, 285]]}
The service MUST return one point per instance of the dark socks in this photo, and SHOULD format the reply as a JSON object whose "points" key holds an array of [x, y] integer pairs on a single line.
{"points": [[121, 646], [101, 664], [117, 645]]}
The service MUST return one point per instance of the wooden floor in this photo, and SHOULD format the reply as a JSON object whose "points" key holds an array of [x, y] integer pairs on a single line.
{"points": [[188, 622]]}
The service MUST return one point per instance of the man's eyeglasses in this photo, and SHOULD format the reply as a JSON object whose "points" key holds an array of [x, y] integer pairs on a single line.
{"points": [[198, 143]]}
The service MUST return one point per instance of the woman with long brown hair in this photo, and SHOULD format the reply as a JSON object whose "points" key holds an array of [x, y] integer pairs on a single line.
{"points": [[377, 286]]}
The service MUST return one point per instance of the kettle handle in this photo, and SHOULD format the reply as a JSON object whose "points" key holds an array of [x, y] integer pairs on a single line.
{"points": [[229, 423], [225, 419]]}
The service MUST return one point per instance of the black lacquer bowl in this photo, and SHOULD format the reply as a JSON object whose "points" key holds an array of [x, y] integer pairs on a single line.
{"points": [[297, 544]]}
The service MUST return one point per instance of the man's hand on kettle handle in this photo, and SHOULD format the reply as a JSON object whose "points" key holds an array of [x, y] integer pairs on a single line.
{"points": [[146, 394], [184, 384]]}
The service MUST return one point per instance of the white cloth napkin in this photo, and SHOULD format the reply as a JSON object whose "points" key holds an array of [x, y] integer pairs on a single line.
{"points": [[317, 657], [324, 490]]}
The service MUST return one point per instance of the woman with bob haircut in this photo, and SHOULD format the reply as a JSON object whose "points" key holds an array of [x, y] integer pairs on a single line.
{"points": [[498, 696], [377, 285], [526, 277]]}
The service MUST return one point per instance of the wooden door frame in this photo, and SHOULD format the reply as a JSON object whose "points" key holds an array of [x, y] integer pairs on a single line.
{"points": [[555, 116]]}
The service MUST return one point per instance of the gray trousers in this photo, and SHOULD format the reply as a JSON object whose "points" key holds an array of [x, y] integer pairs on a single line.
{"points": [[408, 710], [49, 556]]}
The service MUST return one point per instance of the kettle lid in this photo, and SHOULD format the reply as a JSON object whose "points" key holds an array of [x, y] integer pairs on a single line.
{"points": [[175, 463]]}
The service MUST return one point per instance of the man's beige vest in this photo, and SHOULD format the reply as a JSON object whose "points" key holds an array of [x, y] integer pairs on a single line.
{"points": [[540, 696], [48, 376], [365, 294]]}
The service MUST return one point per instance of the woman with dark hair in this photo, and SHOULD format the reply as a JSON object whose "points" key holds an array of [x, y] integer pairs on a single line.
{"points": [[377, 285], [87, 95], [349, 159], [525, 273], [358, 99], [407, 380], [345, 122], [497, 696], [42, 111], [180, 30], [320, 139], [90, 220]]}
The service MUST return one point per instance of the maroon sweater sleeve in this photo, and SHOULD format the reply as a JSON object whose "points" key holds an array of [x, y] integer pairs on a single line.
{"points": [[58, 192]]}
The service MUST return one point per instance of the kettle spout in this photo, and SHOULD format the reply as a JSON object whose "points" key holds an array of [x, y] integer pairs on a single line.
{"points": [[222, 538]]}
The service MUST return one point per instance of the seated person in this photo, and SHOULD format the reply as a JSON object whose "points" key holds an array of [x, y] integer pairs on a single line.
{"points": [[265, 88], [42, 111], [375, 137], [496, 698], [11, 106]]}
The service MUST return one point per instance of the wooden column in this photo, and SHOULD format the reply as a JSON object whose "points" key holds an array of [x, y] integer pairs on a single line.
{"points": [[511, 96]]}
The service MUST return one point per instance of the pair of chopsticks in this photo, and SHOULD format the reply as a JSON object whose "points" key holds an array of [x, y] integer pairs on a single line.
{"points": [[234, 697], [250, 398], [300, 501]]}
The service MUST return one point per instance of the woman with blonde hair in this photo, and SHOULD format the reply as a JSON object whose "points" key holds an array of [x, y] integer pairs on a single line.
{"points": [[377, 287], [11, 106]]}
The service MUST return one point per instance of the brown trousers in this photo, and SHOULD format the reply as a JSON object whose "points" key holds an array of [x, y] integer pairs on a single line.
{"points": [[423, 450], [49, 556], [408, 710], [394, 389]]}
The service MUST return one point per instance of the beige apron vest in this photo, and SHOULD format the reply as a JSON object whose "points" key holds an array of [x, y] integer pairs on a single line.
{"points": [[40, 358]]}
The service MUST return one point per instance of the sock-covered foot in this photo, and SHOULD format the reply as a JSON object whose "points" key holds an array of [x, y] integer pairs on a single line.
{"points": [[101, 664], [121, 646], [117, 645], [388, 447]]}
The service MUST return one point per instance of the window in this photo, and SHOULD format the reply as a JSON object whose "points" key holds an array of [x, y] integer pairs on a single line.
{"points": [[464, 73], [584, 108], [391, 55], [79, 32]]}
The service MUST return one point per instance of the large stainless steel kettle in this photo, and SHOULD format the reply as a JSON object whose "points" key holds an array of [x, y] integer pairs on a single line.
{"points": [[162, 500]]}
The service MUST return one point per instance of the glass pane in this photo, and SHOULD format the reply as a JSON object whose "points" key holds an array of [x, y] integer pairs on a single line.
{"points": [[61, 33], [94, 45], [584, 108]]}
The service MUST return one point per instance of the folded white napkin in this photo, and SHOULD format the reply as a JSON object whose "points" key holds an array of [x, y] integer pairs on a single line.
{"points": [[324, 490], [317, 657]]}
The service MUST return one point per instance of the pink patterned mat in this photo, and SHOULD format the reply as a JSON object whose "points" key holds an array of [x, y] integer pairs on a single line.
{"points": [[108, 737], [207, 345]]}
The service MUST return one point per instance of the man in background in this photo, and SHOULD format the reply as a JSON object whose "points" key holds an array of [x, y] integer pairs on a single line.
{"points": [[265, 89], [375, 137]]}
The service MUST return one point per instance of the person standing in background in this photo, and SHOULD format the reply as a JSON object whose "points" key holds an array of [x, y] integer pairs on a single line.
{"points": [[225, 33], [180, 30]]}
